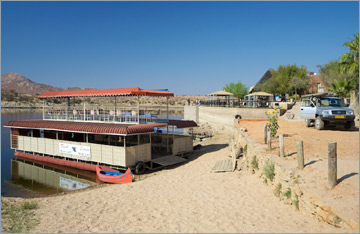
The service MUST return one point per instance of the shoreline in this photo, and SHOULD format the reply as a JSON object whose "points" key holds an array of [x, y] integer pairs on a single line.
{"points": [[183, 198]]}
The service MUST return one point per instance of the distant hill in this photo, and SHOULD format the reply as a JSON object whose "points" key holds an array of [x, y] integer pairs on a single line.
{"points": [[21, 84]]}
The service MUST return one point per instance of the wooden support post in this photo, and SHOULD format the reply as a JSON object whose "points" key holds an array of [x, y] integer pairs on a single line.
{"points": [[265, 133], [332, 164], [281, 142], [84, 112], [269, 139], [138, 112], [167, 138], [67, 108], [145, 113], [300, 154], [167, 109], [114, 117], [43, 109], [233, 156]]}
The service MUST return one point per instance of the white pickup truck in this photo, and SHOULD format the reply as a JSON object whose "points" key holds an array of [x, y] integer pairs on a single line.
{"points": [[326, 111]]}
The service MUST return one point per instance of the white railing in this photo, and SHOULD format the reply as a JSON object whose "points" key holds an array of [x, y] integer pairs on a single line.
{"points": [[94, 113]]}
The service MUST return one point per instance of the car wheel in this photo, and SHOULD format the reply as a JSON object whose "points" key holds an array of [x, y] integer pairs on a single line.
{"points": [[319, 124], [349, 124], [308, 122]]}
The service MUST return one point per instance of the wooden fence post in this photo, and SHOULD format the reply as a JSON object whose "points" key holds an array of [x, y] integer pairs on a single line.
{"points": [[269, 139], [300, 154], [233, 155], [332, 164], [281, 142], [265, 133]]}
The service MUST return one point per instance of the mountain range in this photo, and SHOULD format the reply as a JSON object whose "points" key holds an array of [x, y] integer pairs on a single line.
{"points": [[21, 84]]}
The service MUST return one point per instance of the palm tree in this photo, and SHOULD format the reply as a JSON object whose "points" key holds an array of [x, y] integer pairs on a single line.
{"points": [[349, 62], [341, 87]]}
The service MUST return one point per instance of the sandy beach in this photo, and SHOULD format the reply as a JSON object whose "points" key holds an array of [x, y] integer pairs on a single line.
{"points": [[185, 198]]}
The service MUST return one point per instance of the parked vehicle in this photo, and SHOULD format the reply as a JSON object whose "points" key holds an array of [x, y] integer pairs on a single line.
{"points": [[321, 111]]}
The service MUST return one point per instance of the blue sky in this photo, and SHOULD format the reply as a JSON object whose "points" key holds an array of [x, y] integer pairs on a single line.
{"points": [[192, 48]]}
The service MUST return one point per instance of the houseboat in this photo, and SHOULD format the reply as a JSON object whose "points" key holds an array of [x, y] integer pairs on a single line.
{"points": [[118, 137]]}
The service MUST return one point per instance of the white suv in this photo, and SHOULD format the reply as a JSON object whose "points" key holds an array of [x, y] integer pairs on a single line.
{"points": [[326, 111]]}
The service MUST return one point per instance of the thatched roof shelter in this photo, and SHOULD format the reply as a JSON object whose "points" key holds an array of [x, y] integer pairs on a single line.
{"points": [[220, 93], [259, 94]]}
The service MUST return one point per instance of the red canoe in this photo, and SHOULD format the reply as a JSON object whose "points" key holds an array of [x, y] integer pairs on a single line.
{"points": [[114, 177]]}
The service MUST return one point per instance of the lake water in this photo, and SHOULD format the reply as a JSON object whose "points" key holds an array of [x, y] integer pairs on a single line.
{"points": [[21, 178]]}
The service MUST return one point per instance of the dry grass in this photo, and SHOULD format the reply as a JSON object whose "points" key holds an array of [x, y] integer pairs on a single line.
{"points": [[18, 217]]}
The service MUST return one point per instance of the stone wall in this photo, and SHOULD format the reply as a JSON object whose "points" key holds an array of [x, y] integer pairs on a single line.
{"points": [[191, 113], [285, 183], [221, 118]]}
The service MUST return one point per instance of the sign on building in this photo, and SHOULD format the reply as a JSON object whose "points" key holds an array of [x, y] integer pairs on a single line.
{"points": [[77, 150]]}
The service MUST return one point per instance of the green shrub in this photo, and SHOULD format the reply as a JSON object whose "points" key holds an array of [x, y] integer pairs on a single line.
{"points": [[277, 190], [337, 220], [269, 169], [272, 123], [296, 202], [254, 163], [245, 149], [288, 193], [29, 205]]}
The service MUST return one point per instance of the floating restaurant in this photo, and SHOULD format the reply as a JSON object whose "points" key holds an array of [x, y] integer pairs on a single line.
{"points": [[117, 137]]}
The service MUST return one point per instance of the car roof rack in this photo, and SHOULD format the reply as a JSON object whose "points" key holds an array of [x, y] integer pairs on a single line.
{"points": [[315, 95]]}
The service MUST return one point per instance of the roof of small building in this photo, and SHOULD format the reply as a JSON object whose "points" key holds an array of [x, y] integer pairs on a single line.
{"points": [[220, 93], [91, 127], [107, 93], [259, 94]]}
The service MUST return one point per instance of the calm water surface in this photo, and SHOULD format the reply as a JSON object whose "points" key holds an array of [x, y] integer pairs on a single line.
{"points": [[21, 178]]}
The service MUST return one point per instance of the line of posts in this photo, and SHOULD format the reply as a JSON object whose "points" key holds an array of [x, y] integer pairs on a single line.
{"points": [[332, 155]]}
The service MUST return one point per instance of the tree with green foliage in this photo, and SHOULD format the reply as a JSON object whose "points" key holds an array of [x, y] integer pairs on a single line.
{"points": [[299, 84], [330, 72], [342, 87], [239, 90], [346, 69], [349, 62], [287, 79]]}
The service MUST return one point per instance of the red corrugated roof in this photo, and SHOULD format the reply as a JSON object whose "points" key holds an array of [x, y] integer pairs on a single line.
{"points": [[101, 128], [183, 123], [106, 93]]}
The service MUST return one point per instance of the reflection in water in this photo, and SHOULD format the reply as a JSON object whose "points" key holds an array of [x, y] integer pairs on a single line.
{"points": [[44, 180]]}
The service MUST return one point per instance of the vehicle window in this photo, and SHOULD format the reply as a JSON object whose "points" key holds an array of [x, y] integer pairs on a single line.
{"points": [[307, 103], [333, 102]]}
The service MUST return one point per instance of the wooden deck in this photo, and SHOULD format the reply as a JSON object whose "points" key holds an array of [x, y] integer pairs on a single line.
{"points": [[223, 166], [168, 160]]}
